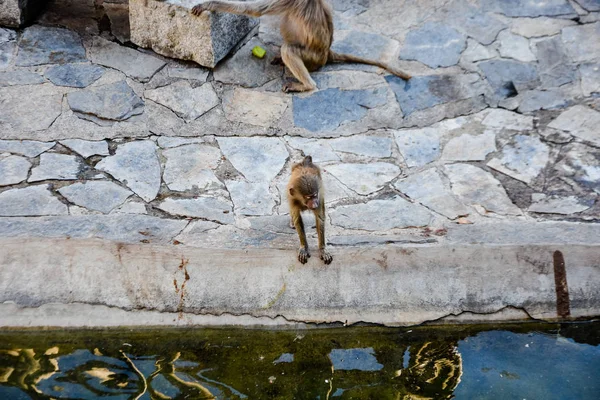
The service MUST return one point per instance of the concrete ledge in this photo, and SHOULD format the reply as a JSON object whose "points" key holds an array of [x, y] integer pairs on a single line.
{"points": [[168, 28], [391, 285]]}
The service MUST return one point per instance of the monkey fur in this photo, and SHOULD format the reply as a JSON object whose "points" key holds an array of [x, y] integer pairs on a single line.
{"points": [[305, 192], [307, 30]]}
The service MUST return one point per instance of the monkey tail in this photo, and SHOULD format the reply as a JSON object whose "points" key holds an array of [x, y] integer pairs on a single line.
{"points": [[341, 57]]}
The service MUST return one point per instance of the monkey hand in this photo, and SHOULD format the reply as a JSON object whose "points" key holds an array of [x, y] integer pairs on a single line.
{"points": [[199, 9], [325, 256], [303, 255]]}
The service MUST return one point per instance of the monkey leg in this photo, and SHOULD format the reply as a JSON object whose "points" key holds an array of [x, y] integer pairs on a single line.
{"points": [[320, 219], [303, 253], [292, 58], [254, 8]]}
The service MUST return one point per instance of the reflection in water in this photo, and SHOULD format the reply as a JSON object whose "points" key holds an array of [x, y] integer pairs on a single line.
{"points": [[356, 363]]}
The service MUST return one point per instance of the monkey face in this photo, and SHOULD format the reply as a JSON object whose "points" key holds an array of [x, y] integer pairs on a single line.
{"points": [[312, 201]]}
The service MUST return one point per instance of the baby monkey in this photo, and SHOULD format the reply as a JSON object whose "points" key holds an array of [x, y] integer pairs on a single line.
{"points": [[305, 192], [307, 31]]}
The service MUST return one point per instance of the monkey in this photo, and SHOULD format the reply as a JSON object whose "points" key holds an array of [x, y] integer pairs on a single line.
{"points": [[307, 30], [305, 192]]}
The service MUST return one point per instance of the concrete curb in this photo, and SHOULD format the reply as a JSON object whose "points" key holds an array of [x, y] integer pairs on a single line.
{"points": [[96, 283]]}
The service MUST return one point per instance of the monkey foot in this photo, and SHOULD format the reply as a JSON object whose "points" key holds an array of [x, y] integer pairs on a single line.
{"points": [[326, 257], [303, 255], [296, 87], [198, 9]]}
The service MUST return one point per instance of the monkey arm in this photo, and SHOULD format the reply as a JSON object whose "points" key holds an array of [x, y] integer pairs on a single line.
{"points": [[303, 253], [320, 220], [253, 8]]}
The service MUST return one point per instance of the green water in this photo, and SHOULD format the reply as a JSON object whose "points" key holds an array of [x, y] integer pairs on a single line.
{"points": [[531, 361]]}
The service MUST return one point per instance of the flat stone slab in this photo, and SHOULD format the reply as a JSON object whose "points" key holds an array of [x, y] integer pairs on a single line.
{"points": [[18, 101], [422, 92], [366, 45], [30, 201], [363, 145], [509, 77], [434, 44], [47, 45], [381, 215], [170, 29], [107, 103], [27, 148], [74, 75], [56, 166], [320, 150], [13, 169], [476, 187], [132, 63], [8, 46], [191, 167], [100, 196], [327, 109], [136, 165], [427, 188], [255, 108], [12, 78], [590, 78], [579, 121], [87, 148], [499, 119], [539, 27], [476, 52], [529, 8], [578, 44], [523, 159], [187, 102], [515, 47], [364, 178], [556, 204], [534, 100], [554, 66], [469, 147], [210, 208], [124, 228], [468, 19], [251, 198], [259, 159], [418, 146], [580, 167]]}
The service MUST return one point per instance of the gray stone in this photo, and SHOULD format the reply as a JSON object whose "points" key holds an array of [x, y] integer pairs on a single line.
{"points": [[366, 45], [7, 35], [499, 119], [350, 7], [381, 215], [100, 196], [476, 187], [169, 28], [362, 145], [555, 136], [87, 148], [554, 66], [478, 25], [328, 109], [529, 8], [469, 148], [364, 178], [187, 102], [13, 169], [347, 79], [427, 188], [579, 43], [167, 142], [422, 92], [534, 100], [539, 27], [434, 44], [540, 203], [579, 121], [56, 166], [523, 158], [132, 63], [476, 52], [107, 103], [508, 77], [18, 103], [191, 167], [136, 165], [255, 108], [28, 148], [364, 240], [210, 208], [251, 198], [47, 45], [32, 200], [74, 75], [514, 46], [590, 78], [12, 78], [187, 71], [580, 165], [7, 53], [418, 146], [124, 228], [243, 69], [258, 159], [320, 149], [131, 207], [589, 5]]}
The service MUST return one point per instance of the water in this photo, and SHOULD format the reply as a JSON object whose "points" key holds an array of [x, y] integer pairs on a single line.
{"points": [[538, 361]]}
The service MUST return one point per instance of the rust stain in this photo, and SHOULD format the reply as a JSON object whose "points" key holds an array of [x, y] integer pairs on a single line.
{"points": [[181, 290], [406, 252], [144, 233], [120, 247], [563, 306], [176, 286], [383, 263]]}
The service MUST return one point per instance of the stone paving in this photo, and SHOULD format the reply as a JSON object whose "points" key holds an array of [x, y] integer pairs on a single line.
{"points": [[500, 126]]}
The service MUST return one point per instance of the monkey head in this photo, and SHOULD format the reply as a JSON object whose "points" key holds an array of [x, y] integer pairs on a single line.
{"points": [[305, 185]]}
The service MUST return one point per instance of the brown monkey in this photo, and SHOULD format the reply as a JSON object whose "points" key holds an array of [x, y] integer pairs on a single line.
{"points": [[307, 30], [305, 192]]}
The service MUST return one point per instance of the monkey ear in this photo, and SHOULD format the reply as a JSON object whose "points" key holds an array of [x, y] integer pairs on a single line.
{"points": [[292, 191], [308, 161]]}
